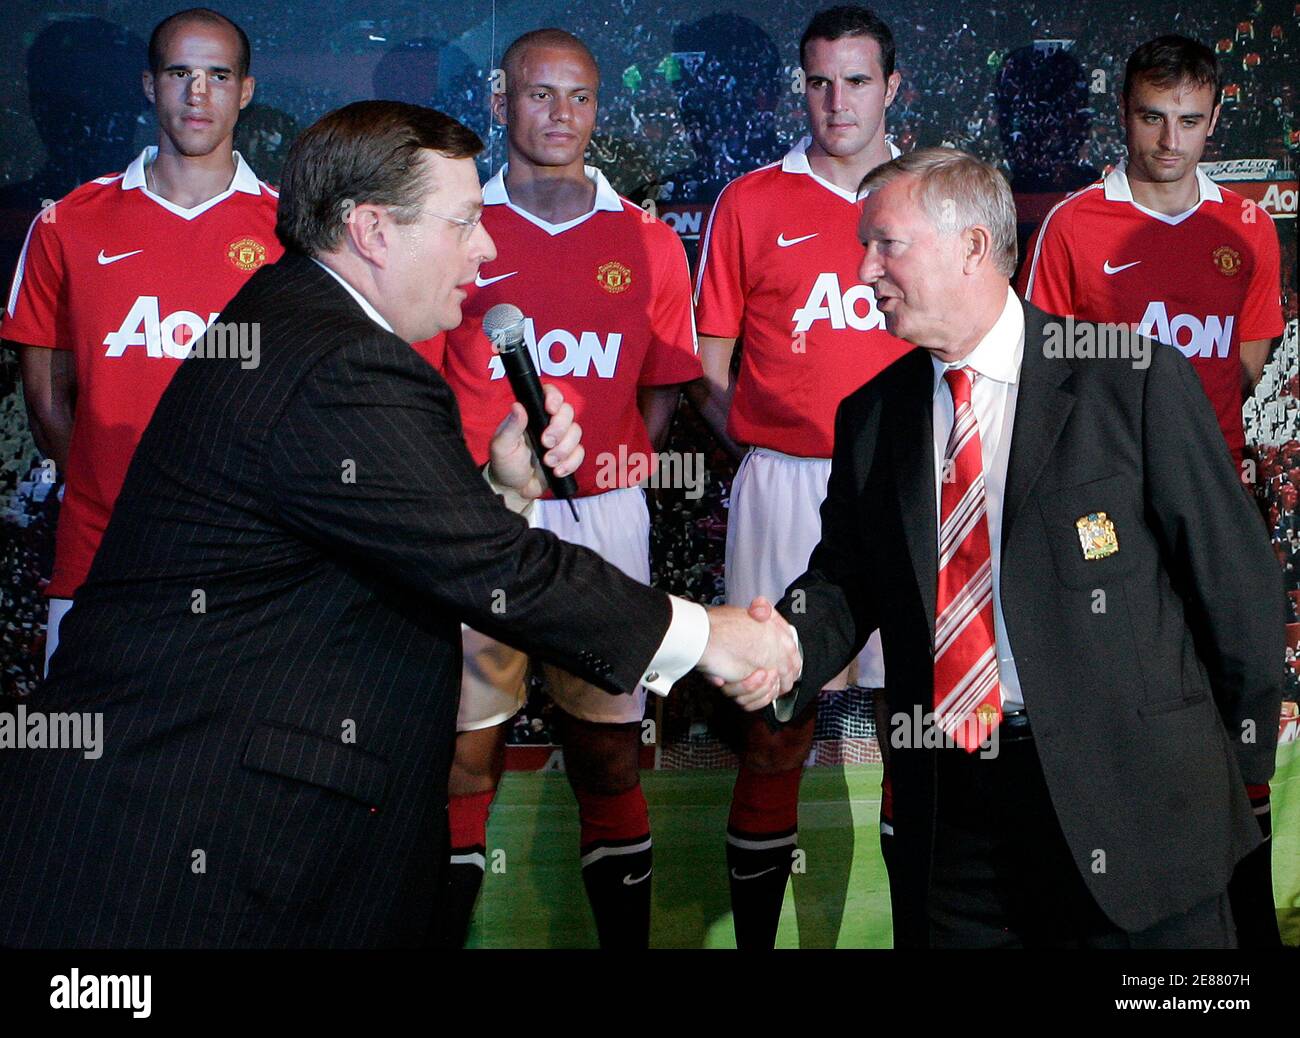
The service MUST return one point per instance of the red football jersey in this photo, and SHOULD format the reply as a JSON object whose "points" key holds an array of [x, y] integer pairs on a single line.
{"points": [[127, 281], [1204, 281], [607, 299], [779, 270], [433, 350]]}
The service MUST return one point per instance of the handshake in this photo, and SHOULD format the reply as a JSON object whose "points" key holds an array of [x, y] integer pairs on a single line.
{"points": [[752, 655]]}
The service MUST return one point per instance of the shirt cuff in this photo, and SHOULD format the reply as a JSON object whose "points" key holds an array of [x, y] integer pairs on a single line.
{"points": [[517, 503], [783, 706], [683, 645]]}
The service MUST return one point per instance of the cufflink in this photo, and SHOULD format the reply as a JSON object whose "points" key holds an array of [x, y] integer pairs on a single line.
{"points": [[652, 676]]}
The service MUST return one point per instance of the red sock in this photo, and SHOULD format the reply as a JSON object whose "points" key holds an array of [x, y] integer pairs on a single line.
{"points": [[613, 817], [765, 802], [467, 816]]}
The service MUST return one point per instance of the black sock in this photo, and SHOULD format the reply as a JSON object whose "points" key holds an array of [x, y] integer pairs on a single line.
{"points": [[1250, 890], [467, 817], [464, 879], [616, 865], [762, 832], [617, 879], [758, 867]]}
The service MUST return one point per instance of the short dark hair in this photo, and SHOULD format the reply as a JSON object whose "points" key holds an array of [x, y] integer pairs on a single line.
{"points": [[368, 151], [1169, 60], [549, 37], [849, 20], [198, 14]]}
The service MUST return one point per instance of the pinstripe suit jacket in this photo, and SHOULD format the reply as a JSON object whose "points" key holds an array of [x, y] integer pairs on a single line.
{"points": [[271, 631]]}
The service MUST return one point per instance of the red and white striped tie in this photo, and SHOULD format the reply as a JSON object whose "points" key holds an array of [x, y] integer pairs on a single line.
{"points": [[967, 697]]}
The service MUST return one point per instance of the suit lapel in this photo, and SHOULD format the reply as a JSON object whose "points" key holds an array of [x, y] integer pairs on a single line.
{"points": [[309, 284], [1043, 406], [912, 434]]}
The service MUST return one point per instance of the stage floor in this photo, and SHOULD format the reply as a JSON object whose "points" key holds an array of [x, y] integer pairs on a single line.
{"points": [[533, 896], [840, 900]]}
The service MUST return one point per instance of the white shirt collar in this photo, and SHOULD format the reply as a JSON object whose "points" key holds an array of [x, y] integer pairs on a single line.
{"points": [[1000, 353], [796, 161], [607, 200], [244, 180], [1117, 189], [362, 301]]}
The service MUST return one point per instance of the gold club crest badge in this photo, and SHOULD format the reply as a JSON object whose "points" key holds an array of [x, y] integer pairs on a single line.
{"points": [[1227, 261], [1097, 536], [614, 277], [246, 253], [987, 713]]}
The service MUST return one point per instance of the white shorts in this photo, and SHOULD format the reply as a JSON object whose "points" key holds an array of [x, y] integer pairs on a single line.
{"points": [[58, 610], [773, 525], [616, 525]]}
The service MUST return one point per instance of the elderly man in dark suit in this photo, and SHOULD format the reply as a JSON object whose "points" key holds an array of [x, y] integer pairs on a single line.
{"points": [[1079, 608], [271, 628]]}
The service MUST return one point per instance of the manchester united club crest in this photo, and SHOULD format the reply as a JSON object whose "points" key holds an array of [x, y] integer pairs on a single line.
{"points": [[614, 277], [987, 713], [246, 253], [1097, 536], [1227, 261]]}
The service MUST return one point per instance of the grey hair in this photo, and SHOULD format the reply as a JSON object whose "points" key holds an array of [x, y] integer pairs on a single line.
{"points": [[957, 191]]}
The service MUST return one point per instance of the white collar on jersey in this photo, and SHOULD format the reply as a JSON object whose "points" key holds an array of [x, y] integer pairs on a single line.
{"points": [[607, 200], [1117, 189], [796, 161], [371, 312], [244, 180]]}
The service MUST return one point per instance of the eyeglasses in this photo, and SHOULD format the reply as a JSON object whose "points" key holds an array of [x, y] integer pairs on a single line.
{"points": [[466, 226]]}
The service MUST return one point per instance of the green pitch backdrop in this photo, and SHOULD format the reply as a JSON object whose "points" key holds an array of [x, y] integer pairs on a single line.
{"points": [[533, 896], [1286, 841]]}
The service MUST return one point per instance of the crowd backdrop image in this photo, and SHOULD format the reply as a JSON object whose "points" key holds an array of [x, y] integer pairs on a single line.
{"points": [[691, 95]]}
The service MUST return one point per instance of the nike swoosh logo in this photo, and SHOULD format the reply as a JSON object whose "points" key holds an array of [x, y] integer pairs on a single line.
{"points": [[755, 875], [628, 881], [104, 260], [483, 282], [1115, 270], [785, 242]]}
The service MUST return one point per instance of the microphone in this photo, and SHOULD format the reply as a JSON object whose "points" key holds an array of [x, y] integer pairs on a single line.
{"points": [[503, 324]]}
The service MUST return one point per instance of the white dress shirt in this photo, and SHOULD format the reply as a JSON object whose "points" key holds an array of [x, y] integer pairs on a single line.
{"points": [[362, 301], [997, 360], [688, 632]]}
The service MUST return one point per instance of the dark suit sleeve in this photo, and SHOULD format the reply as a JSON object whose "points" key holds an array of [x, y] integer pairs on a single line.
{"points": [[1219, 556], [368, 463], [830, 605]]}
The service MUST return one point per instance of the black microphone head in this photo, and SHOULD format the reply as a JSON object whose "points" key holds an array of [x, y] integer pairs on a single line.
{"points": [[504, 325]]}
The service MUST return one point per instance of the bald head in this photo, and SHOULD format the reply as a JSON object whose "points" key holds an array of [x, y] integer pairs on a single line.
{"points": [[202, 16], [513, 58]]}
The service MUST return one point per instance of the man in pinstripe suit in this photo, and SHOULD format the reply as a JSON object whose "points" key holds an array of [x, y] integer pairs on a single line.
{"points": [[271, 627]]}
